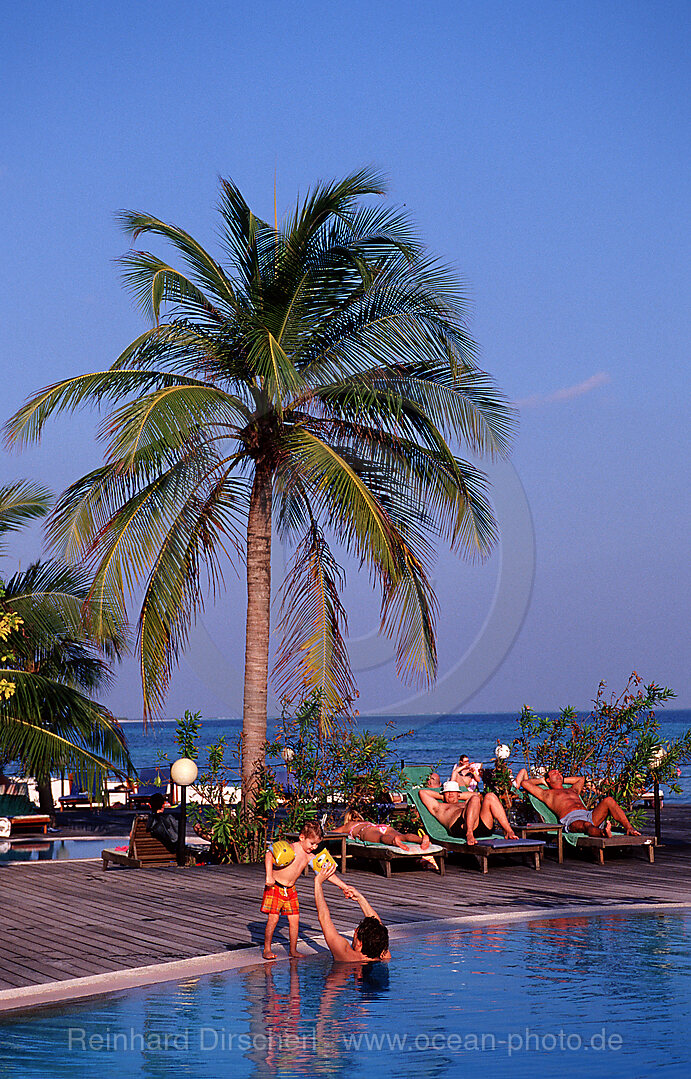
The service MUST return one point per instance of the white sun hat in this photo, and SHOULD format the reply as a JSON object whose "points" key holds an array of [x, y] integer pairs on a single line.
{"points": [[451, 785]]}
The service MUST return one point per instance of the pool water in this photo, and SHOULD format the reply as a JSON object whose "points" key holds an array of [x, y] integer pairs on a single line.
{"points": [[606, 996], [46, 850]]}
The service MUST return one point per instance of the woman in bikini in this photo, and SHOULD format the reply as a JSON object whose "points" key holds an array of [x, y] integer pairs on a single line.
{"points": [[357, 827]]}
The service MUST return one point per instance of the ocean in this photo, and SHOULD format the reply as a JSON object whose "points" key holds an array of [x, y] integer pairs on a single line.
{"points": [[434, 740]]}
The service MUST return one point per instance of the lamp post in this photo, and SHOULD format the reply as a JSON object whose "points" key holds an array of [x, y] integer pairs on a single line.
{"points": [[182, 773], [656, 759], [288, 754]]}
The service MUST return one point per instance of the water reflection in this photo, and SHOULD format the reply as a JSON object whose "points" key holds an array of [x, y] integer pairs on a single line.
{"points": [[446, 993], [298, 1013]]}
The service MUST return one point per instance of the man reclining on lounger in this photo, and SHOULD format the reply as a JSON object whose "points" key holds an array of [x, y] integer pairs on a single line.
{"points": [[465, 814], [567, 804]]}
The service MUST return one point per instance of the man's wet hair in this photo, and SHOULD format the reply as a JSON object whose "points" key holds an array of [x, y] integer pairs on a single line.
{"points": [[373, 937], [312, 829], [156, 802]]}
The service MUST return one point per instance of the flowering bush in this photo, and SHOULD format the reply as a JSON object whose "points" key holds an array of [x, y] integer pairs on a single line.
{"points": [[617, 747], [235, 832], [355, 769]]}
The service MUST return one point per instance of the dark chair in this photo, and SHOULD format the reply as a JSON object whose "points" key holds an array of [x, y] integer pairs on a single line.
{"points": [[80, 795], [150, 782], [144, 852]]}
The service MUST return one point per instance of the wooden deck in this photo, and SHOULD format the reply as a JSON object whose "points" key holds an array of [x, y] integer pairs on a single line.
{"points": [[63, 920]]}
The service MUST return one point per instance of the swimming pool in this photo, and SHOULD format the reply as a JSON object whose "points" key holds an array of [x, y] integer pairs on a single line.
{"points": [[47, 850], [604, 996]]}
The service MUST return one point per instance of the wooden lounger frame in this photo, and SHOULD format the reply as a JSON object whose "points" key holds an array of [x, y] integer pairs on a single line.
{"points": [[31, 822], [145, 850], [592, 842], [385, 855]]}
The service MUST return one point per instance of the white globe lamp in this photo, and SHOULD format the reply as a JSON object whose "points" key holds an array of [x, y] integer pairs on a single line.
{"points": [[183, 772]]}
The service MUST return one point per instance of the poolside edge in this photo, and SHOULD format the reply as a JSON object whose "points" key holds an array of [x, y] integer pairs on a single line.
{"points": [[70, 989]]}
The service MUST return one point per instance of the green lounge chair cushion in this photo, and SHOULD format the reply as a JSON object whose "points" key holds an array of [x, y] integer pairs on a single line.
{"points": [[16, 805]]}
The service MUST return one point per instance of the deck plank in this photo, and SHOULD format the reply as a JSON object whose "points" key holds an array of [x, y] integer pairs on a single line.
{"points": [[61, 920]]}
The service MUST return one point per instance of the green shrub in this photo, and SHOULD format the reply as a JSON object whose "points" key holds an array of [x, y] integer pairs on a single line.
{"points": [[618, 747], [344, 768]]}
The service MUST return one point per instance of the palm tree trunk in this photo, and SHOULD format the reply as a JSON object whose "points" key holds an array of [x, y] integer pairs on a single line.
{"points": [[45, 796], [257, 632]]}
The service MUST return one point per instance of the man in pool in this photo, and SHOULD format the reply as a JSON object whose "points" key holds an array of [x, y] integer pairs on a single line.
{"points": [[566, 803], [466, 814], [371, 937]]}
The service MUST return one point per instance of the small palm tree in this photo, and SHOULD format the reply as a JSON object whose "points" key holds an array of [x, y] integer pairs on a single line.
{"points": [[322, 378], [50, 720]]}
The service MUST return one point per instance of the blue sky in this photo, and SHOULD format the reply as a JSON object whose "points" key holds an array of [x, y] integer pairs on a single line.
{"points": [[542, 148]]}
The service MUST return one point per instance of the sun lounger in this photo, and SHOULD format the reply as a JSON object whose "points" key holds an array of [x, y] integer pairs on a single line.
{"points": [[79, 797], [594, 843], [144, 851], [22, 814], [385, 854], [151, 782], [484, 849]]}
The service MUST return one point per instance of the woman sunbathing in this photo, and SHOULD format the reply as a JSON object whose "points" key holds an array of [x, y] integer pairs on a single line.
{"points": [[357, 827]]}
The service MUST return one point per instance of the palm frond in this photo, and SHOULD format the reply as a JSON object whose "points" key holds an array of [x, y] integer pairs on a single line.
{"points": [[239, 235], [20, 503], [201, 530], [270, 363], [154, 283], [52, 598], [172, 417], [27, 424], [207, 271], [409, 610], [312, 654], [78, 733], [340, 491]]}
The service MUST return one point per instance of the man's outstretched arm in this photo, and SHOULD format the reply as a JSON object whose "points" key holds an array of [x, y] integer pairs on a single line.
{"points": [[365, 906], [338, 945]]}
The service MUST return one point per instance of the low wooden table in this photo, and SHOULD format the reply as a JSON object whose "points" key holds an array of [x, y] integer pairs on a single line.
{"points": [[527, 830]]}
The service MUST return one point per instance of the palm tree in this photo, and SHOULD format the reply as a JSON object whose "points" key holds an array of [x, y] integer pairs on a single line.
{"points": [[321, 378], [54, 666]]}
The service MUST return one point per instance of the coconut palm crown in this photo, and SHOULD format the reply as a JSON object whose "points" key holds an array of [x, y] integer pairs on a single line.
{"points": [[321, 379], [53, 663]]}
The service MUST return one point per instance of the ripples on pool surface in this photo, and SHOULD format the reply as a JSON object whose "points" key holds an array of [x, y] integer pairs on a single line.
{"points": [[606, 996]]}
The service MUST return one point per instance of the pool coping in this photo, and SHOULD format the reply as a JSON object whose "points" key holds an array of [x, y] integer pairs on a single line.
{"points": [[73, 989]]}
